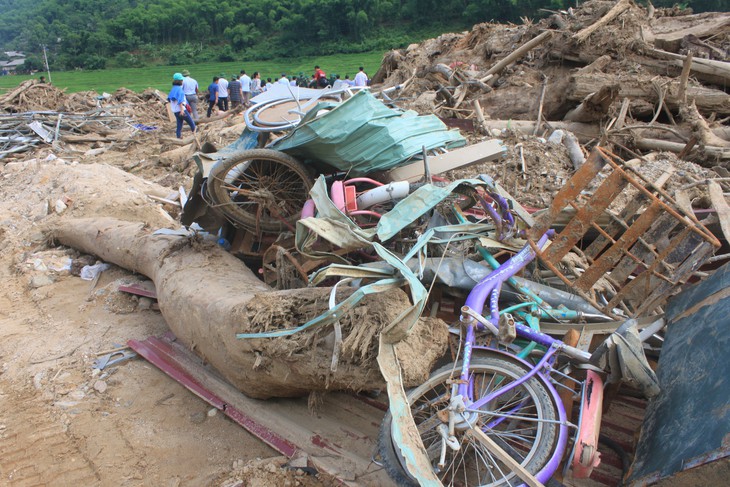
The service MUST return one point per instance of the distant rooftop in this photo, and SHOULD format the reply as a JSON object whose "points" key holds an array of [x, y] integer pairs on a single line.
{"points": [[12, 64], [14, 54]]}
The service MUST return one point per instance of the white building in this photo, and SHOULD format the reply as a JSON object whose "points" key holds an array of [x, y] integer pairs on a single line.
{"points": [[16, 59]]}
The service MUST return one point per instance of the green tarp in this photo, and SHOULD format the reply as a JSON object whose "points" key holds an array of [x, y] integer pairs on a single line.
{"points": [[361, 135]]}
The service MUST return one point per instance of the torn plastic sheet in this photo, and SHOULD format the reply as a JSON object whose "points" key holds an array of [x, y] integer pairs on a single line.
{"points": [[362, 135], [464, 274], [623, 355], [206, 161]]}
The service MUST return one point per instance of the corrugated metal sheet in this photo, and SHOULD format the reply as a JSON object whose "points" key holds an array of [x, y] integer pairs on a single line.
{"points": [[362, 135]]}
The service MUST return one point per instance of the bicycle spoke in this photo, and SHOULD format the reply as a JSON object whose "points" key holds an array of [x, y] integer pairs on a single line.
{"points": [[522, 421]]}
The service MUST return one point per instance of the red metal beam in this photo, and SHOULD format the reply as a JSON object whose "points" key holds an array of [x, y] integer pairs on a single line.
{"points": [[167, 358]]}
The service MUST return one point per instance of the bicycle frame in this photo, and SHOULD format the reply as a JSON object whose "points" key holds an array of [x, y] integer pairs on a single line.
{"points": [[473, 320]]}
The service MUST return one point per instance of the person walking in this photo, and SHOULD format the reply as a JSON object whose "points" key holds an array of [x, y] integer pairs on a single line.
{"points": [[361, 78], [179, 105], [283, 80], [234, 92], [245, 88], [222, 93], [212, 95], [190, 88]]}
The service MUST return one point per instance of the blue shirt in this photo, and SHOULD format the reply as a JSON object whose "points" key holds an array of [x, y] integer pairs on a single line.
{"points": [[213, 90], [176, 97]]}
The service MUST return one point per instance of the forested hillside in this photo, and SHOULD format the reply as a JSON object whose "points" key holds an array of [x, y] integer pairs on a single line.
{"points": [[92, 33]]}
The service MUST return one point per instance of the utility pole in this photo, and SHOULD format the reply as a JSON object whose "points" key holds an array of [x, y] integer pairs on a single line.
{"points": [[45, 58]]}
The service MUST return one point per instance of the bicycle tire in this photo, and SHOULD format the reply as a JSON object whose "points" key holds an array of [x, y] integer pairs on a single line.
{"points": [[262, 190], [469, 472]]}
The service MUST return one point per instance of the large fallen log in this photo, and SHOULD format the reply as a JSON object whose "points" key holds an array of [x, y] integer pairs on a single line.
{"points": [[667, 32], [587, 132], [717, 153], [641, 87], [177, 156], [207, 296], [717, 72]]}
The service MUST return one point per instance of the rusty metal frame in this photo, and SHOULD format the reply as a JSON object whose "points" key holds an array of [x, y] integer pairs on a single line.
{"points": [[651, 243]]}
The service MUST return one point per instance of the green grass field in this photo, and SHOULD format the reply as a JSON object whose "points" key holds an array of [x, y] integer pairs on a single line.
{"points": [[160, 77]]}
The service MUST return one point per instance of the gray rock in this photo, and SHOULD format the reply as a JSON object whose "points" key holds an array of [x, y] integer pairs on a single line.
{"points": [[100, 386], [40, 280]]}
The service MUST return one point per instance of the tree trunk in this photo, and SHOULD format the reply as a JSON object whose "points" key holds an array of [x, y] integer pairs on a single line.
{"points": [[207, 296], [639, 87], [595, 106]]}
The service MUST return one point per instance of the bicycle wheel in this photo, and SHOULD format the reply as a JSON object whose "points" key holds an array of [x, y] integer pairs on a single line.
{"points": [[261, 190], [527, 435]]}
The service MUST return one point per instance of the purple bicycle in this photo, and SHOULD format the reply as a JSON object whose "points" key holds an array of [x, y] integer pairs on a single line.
{"points": [[491, 396]]}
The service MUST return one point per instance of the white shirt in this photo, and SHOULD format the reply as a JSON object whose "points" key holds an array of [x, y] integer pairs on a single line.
{"points": [[283, 80], [222, 88], [256, 84], [190, 86], [361, 79], [245, 83]]}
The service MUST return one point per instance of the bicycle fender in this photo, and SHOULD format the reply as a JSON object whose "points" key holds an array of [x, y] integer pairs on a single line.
{"points": [[587, 456]]}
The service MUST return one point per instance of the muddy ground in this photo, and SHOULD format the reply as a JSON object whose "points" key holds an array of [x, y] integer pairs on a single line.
{"points": [[61, 421]]}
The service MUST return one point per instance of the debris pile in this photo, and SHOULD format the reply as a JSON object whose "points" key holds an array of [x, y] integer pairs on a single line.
{"points": [[33, 96], [634, 78], [329, 236]]}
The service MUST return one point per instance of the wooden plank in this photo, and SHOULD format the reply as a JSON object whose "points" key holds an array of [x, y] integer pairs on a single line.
{"points": [[659, 228], [503, 456], [488, 150], [661, 293], [668, 32], [683, 201], [649, 280], [170, 114], [721, 207]]}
